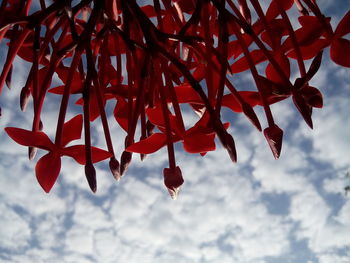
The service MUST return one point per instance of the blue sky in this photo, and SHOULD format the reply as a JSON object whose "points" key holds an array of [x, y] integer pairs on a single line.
{"points": [[259, 210]]}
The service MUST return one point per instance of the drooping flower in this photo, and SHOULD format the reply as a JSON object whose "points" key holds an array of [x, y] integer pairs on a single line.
{"points": [[155, 62]]}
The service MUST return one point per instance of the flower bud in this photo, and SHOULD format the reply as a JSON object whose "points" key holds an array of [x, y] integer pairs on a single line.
{"points": [[24, 98], [8, 78], [90, 174], [32, 152], [249, 112], [124, 162], [274, 136], [304, 109], [114, 167], [173, 180]]}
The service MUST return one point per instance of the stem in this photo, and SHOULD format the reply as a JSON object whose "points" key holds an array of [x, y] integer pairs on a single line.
{"points": [[222, 45], [165, 110], [99, 96], [65, 97], [293, 38], [11, 55], [255, 75]]}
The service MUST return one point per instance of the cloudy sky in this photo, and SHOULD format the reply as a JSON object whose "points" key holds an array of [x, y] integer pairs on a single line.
{"points": [[259, 210]]}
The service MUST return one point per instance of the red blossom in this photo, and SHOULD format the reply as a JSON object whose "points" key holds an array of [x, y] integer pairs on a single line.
{"points": [[156, 62], [48, 167]]}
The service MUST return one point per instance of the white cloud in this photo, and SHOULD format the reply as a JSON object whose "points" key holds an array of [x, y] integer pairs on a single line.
{"points": [[15, 231]]}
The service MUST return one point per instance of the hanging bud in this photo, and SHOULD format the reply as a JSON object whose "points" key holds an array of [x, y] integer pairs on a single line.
{"points": [[124, 162], [301, 8], [244, 9], [8, 78], [114, 167], [304, 109], [32, 152], [274, 137], [230, 147], [249, 112], [24, 98], [226, 139], [90, 174], [173, 180]]}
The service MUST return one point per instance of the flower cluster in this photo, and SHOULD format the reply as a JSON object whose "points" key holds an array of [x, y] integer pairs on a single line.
{"points": [[174, 52]]}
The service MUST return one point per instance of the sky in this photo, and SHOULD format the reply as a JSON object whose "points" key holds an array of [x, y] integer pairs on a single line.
{"points": [[293, 210]]}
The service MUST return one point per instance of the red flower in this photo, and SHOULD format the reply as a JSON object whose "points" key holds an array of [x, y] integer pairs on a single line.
{"points": [[48, 167]]}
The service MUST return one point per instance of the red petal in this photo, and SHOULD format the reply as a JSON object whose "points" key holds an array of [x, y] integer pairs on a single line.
{"points": [[63, 72], [186, 94], [155, 115], [242, 64], [77, 152], [340, 52], [199, 142], [310, 51], [30, 138], [199, 72], [343, 27], [273, 10], [121, 113], [235, 49], [230, 102], [72, 129], [149, 145], [272, 74], [99, 154], [47, 170]]}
